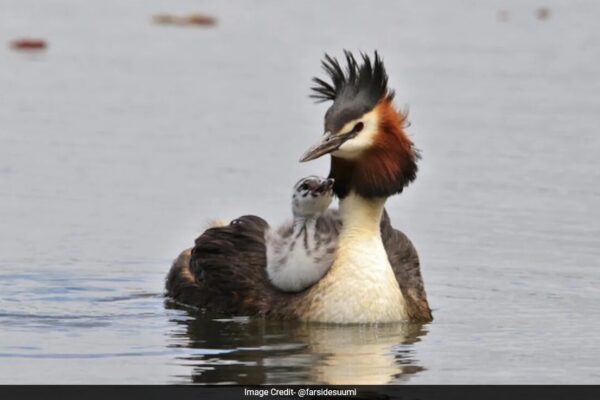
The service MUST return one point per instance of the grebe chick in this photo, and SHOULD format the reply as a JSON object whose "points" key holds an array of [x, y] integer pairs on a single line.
{"points": [[301, 251]]}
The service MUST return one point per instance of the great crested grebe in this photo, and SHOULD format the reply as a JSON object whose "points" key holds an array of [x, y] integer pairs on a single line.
{"points": [[301, 251], [375, 276]]}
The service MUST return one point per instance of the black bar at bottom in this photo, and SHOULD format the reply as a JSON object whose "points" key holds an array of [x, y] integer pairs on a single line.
{"points": [[292, 392]]}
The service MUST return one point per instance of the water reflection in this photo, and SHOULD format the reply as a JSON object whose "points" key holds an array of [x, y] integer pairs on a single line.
{"points": [[256, 351]]}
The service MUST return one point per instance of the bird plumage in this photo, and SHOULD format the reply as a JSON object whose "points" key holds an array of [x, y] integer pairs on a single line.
{"points": [[226, 273], [375, 276], [301, 251]]}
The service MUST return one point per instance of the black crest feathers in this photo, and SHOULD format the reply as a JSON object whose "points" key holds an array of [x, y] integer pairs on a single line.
{"points": [[369, 79]]}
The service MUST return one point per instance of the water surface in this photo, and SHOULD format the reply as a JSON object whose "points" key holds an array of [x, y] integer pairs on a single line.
{"points": [[124, 137]]}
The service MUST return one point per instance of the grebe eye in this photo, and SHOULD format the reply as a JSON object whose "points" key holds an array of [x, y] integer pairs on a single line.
{"points": [[358, 127], [304, 186]]}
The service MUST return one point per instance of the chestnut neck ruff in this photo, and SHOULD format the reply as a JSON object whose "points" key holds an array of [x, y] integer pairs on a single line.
{"points": [[386, 168]]}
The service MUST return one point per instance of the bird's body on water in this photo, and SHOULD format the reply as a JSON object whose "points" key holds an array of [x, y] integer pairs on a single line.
{"points": [[375, 273]]}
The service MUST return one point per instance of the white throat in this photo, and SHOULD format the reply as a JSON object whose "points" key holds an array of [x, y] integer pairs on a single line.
{"points": [[301, 223], [361, 286], [361, 215]]}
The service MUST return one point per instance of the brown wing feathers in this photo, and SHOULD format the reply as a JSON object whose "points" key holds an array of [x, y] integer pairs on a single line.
{"points": [[225, 272], [404, 260]]}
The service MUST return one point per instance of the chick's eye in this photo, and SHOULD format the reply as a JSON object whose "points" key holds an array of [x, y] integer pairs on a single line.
{"points": [[358, 127], [304, 186]]}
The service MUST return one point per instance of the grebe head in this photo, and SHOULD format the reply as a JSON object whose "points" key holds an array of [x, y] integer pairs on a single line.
{"points": [[312, 196], [364, 133]]}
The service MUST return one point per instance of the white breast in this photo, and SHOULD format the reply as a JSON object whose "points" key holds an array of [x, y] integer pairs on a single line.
{"points": [[365, 291], [361, 286]]}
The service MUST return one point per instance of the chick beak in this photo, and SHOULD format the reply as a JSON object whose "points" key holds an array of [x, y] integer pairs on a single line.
{"points": [[328, 144], [326, 185]]}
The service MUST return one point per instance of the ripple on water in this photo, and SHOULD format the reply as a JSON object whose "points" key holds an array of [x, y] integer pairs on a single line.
{"points": [[283, 352]]}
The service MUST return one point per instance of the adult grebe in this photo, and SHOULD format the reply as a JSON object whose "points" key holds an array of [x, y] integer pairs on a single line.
{"points": [[375, 276], [301, 251]]}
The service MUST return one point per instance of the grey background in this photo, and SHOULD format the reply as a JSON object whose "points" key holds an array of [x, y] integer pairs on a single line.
{"points": [[124, 137]]}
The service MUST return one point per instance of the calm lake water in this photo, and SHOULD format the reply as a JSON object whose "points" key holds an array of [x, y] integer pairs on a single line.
{"points": [[124, 137]]}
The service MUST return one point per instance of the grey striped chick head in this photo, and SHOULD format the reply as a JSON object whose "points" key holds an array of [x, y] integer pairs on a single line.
{"points": [[312, 196]]}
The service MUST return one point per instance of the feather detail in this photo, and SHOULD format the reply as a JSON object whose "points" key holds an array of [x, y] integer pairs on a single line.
{"points": [[368, 78]]}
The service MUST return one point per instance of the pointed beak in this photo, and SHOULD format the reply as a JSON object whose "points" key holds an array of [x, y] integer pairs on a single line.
{"points": [[325, 186], [328, 144]]}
